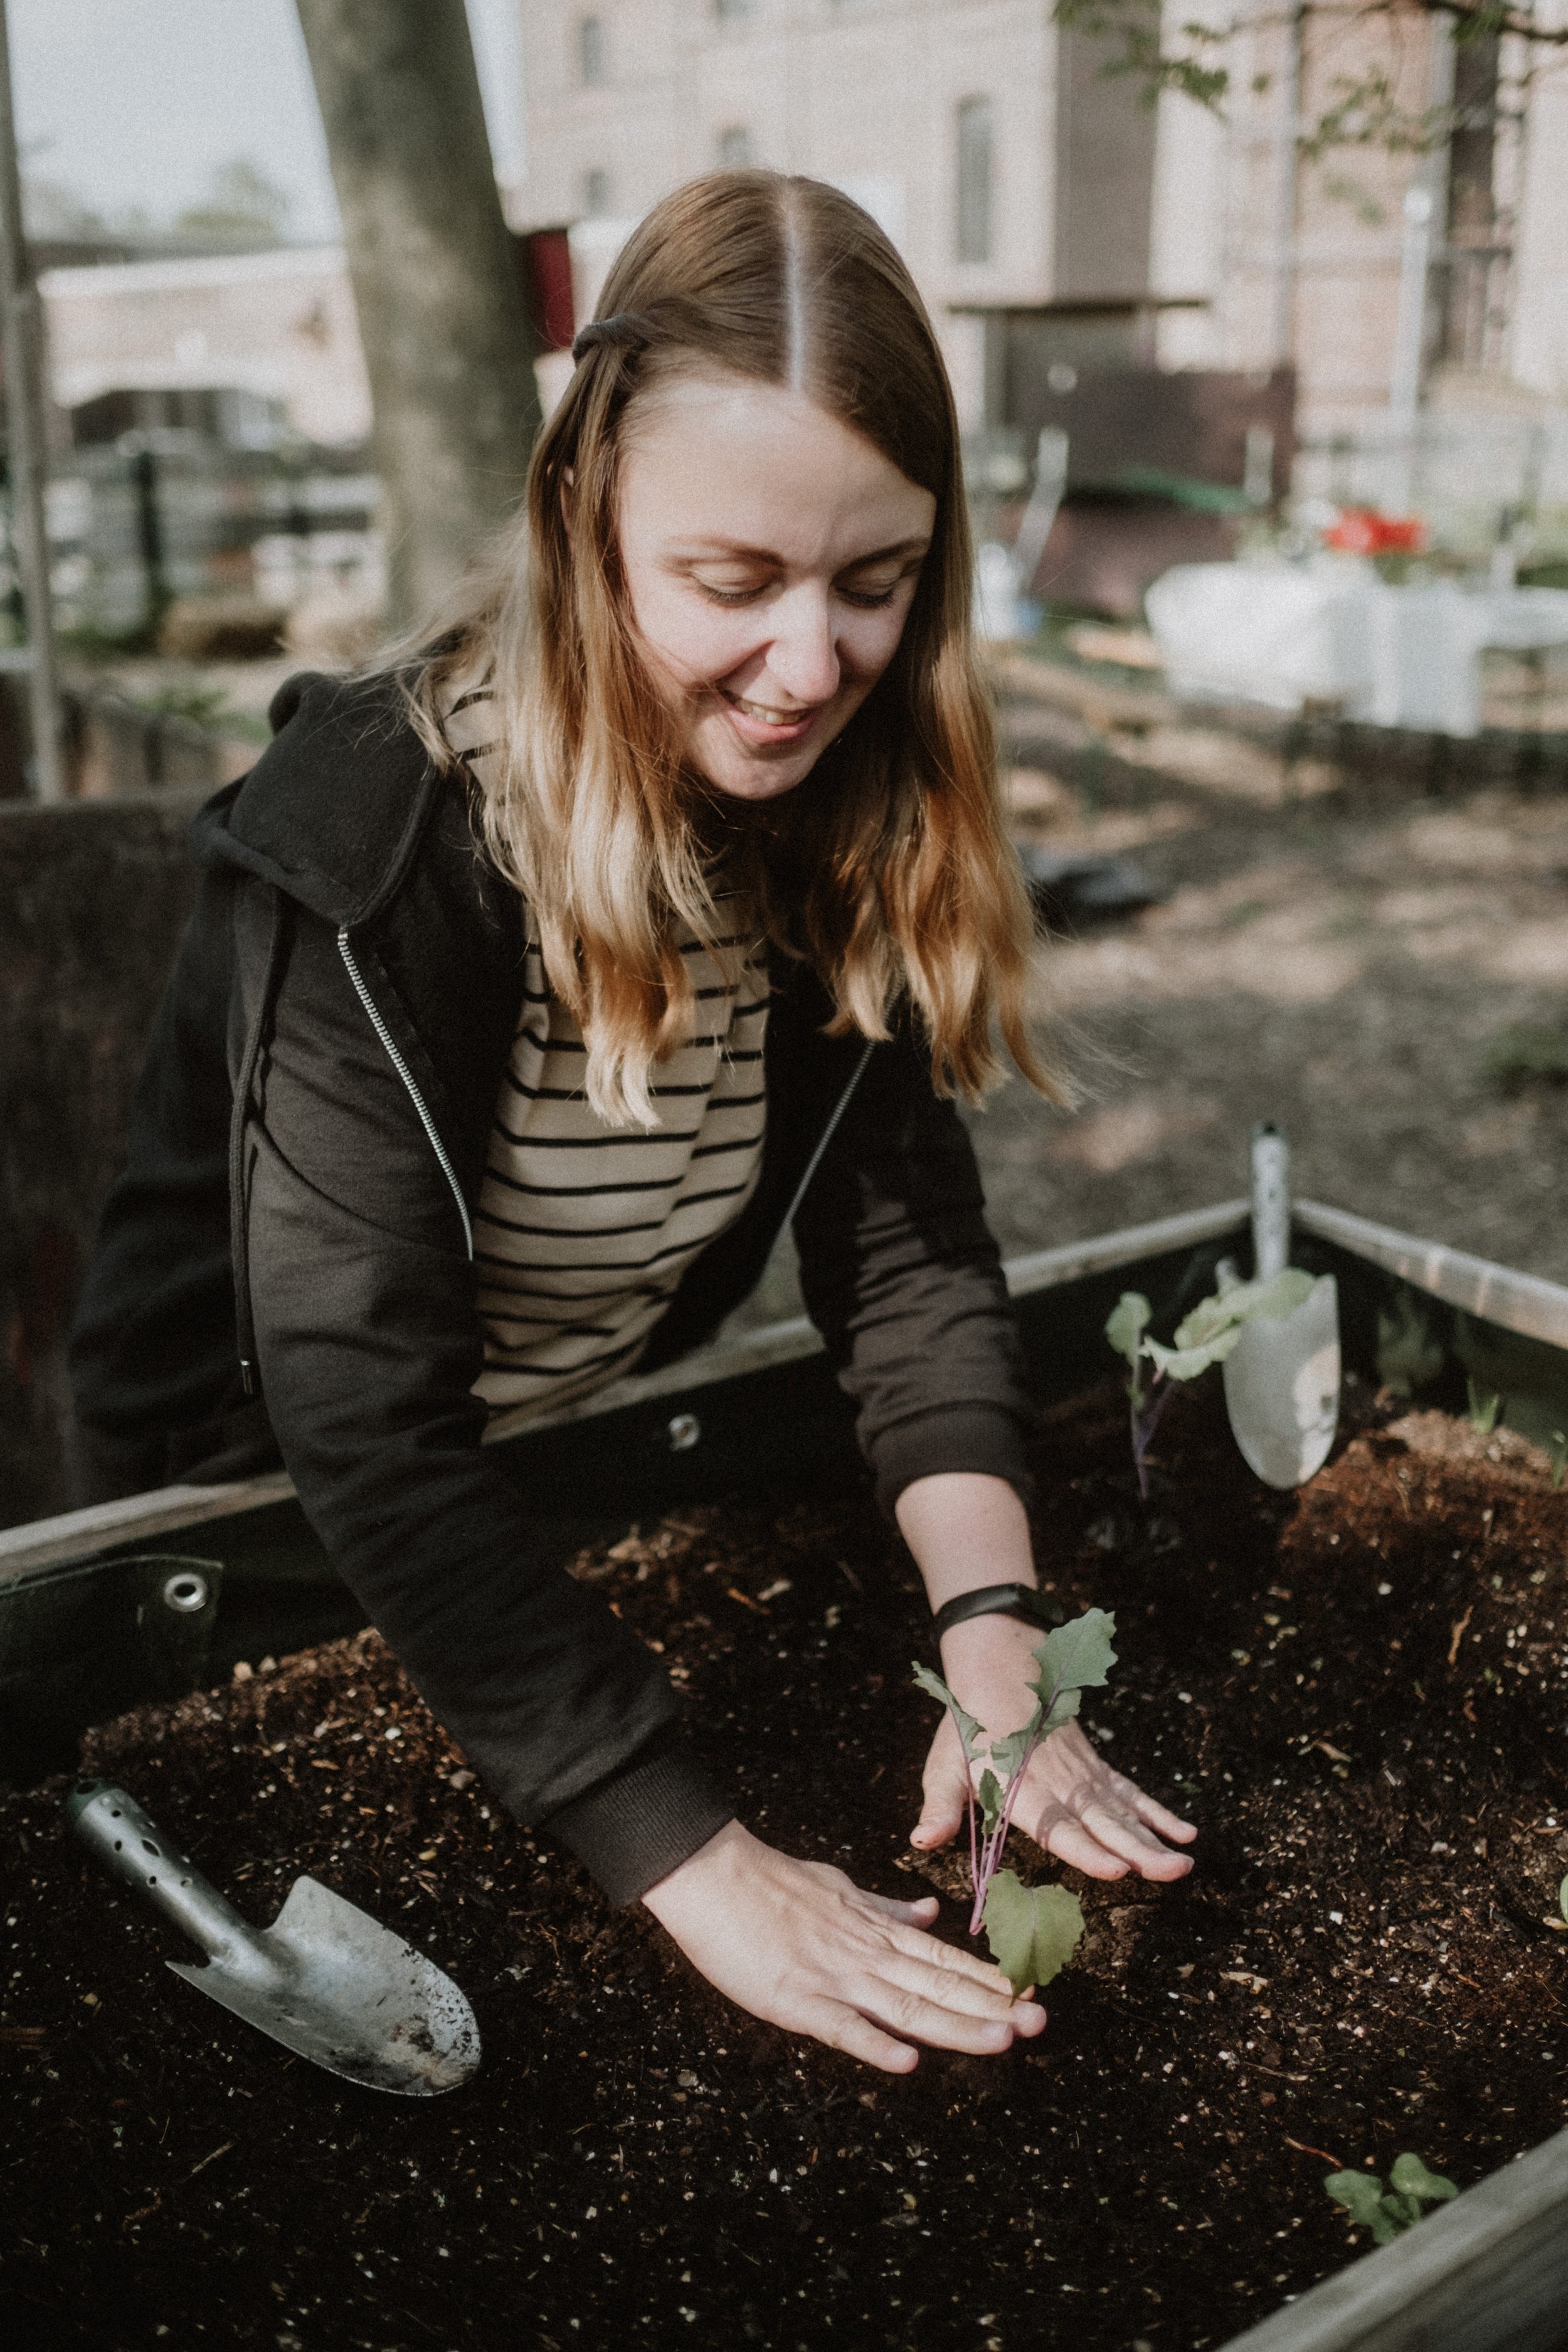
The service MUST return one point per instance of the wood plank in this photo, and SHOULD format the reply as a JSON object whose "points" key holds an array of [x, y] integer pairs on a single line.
{"points": [[1525, 1303], [1487, 2274]]}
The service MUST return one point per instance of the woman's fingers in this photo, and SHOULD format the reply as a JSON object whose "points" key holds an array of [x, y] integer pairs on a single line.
{"points": [[954, 1961], [915, 2015], [950, 1988], [847, 2030], [1169, 1825], [919, 1914], [1121, 1834], [1068, 1839]]}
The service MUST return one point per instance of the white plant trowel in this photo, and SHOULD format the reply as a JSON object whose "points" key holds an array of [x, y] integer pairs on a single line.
{"points": [[1282, 1377]]}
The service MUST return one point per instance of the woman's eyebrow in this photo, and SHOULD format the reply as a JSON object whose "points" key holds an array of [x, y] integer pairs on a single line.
{"points": [[700, 550]]}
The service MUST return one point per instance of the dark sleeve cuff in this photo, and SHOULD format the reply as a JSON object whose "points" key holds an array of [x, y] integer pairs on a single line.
{"points": [[634, 1828], [981, 1437]]}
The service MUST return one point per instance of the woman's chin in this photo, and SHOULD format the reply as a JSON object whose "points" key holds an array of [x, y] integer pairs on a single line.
{"points": [[754, 777]]}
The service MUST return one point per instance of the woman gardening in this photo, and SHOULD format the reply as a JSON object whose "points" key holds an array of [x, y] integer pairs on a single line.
{"points": [[655, 895]]}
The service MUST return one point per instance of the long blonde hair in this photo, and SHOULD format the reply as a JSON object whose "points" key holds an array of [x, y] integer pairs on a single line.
{"points": [[888, 868]]}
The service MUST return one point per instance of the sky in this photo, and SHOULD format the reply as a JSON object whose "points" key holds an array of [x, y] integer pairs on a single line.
{"points": [[139, 101]]}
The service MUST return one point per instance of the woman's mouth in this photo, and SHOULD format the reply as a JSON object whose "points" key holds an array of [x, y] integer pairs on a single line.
{"points": [[767, 722]]}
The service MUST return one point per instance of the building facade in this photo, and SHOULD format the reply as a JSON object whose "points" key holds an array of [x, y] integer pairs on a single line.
{"points": [[1015, 177]]}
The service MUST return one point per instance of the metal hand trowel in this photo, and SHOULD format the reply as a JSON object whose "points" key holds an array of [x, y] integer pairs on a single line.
{"points": [[1282, 1377], [324, 1980]]}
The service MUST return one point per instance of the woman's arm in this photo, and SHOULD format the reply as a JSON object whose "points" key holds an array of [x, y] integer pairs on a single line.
{"points": [[966, 1530]]}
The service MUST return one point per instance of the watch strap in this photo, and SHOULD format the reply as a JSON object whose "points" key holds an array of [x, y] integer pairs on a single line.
{"points": [[998, 1601]]}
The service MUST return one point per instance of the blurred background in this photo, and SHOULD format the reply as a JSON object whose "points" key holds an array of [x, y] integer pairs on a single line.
{"points": [[1257, 322]]}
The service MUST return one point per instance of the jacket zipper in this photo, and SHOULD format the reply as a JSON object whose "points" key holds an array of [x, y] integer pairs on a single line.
{"points": [[407, 1075], [825, 1138]]}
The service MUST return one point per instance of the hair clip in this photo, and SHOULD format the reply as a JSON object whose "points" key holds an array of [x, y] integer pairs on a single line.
{"points": [[619, 333]]}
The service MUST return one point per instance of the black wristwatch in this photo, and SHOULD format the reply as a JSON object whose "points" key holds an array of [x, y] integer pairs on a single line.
{"points": [[998, 1601]]}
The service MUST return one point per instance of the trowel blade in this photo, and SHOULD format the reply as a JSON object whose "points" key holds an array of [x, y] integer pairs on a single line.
{"points": [[1282, 1389], [335, 1987]]}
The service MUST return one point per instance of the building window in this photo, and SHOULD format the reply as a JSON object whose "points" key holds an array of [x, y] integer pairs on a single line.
{"points": [[736, 151], [591, 52], [972, 239], [596, 193]]}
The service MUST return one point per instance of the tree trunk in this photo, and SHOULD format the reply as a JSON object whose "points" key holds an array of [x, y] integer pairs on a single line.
{"points": [[447, 339]]}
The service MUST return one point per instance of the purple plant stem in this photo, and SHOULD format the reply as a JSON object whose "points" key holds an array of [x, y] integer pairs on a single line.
{"points": [[991, 1853], [1145, 1424]]}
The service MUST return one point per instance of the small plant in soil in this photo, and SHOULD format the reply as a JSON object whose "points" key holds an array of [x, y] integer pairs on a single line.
{"points": [[1484, 1409], [1389, 2213], [1205, 1337], [1033, 1931]]}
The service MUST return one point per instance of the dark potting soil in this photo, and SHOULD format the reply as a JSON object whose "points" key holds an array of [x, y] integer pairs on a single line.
{"points": [[1358, 1692]]}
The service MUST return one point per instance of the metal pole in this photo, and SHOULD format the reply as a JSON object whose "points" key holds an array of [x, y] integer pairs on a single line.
{"points": [[27, 435], [1287, 175]]}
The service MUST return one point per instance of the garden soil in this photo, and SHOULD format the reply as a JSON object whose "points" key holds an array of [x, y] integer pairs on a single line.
{"points": [[1358, 1693]]}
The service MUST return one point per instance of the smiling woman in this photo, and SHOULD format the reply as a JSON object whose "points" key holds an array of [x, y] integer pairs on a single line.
{"points": [[652, 897]]}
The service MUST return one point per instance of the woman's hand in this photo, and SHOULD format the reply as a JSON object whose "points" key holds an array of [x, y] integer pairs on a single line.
{"points": [[798, 1944], [1071, 1802]]}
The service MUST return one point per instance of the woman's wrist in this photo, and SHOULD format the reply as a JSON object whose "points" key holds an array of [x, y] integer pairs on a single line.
{"points": [[965, 1530], [988, 1663]]}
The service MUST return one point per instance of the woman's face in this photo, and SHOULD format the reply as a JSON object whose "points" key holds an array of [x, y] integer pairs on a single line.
{"points": [[771, 555]]}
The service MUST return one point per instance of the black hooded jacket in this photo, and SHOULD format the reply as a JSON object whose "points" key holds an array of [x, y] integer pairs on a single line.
{"points": [[307, 1147]]}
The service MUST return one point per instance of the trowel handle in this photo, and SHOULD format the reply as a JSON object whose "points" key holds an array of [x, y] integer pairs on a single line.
{"points": [[128, 1843], [1270, 1202]]}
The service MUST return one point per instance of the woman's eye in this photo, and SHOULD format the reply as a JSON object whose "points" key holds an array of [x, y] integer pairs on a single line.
{"points": [[870, 597], [723, 595]]}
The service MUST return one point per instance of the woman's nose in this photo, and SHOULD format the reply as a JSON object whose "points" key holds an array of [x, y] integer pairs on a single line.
{"points": [[803, 656]]}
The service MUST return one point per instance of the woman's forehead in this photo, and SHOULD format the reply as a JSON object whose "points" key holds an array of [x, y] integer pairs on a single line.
{"points": [[726, 456]]}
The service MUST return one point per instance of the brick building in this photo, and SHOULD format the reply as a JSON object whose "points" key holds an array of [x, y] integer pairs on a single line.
{"points": [[1019, 180]]}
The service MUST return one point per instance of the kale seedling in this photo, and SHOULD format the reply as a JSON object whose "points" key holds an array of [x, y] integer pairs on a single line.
{"points": [[1484, 1409], [1204, 1337], [1388, 2213], [1032, 1930]]}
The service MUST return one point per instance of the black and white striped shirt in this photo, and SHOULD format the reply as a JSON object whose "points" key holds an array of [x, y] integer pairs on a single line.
{"points": [[583, 1231]]}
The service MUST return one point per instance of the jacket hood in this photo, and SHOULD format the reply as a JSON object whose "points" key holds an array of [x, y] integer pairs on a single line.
{"points": [[333, 811]]}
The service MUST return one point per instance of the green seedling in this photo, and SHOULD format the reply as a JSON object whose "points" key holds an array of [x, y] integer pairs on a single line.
{"points": [[1032, 1930], [1484, 1410], [1559, 1458], [1204, 1337], [1388, 2213]]}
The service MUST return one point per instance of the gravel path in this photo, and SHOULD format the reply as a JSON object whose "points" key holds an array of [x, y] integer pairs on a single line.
{"points": [[1341, 958]]}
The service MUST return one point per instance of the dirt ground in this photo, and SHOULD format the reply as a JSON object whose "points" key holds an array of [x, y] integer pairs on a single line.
{"points": [[1357, 1694], [1339, 959]]}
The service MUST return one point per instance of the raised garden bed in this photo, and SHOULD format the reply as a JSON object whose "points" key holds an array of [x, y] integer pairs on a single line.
{"points": [[1358, 1692]]}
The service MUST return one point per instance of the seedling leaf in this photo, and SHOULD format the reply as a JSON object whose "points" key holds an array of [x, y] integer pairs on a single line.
{"points": [[1033, 1931], [1186, 1363], [1008, 1754], [1410, 2177], [1076, 1656], [968, 1730], [1126, 1324], [1065, 1707], [991, 1801], [1361, 2194]]}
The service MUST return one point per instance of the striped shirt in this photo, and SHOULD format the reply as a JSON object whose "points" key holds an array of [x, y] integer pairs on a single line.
{"points": [[584, 1230]]}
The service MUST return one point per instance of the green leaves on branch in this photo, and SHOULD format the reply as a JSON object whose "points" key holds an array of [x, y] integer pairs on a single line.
{"points": [[1074, 1657], [1388, 2213], [967, 1728], [1208, 1334], [1033, 1931], [1126, 1324]]}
